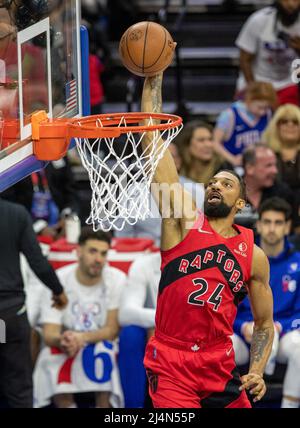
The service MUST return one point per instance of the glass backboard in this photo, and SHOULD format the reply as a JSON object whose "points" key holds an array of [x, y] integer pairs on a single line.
{"points": [[40, 69]]}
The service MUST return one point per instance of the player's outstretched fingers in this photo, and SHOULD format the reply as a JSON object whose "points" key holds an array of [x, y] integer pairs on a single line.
{"points": [[259, 391], [248, 381], [256, 383]]}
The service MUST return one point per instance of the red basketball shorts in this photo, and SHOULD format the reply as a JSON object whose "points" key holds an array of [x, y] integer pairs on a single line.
{"points": [[289, 95], [182, 376]]}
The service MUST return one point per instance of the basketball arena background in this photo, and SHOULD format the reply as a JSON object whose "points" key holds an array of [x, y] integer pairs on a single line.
{"points": [[199, 85]]}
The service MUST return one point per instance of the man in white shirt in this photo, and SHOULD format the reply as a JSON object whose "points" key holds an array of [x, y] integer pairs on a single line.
{"points": [[269, 42], [79, 338]]}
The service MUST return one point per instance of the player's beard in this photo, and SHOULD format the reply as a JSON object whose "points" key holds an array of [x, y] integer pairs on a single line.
{"points": [[94, 271], [287, 19], [220, 210], [91, 271]]}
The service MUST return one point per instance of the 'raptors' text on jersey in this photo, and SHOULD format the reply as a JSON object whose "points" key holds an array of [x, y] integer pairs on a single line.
{"points": [[203, 280]]}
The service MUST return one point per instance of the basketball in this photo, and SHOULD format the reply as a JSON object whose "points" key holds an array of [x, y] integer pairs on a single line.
{"points": [[146, 48]]}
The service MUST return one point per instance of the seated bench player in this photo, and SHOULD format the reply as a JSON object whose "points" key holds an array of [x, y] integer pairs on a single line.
{"points": [[81, 350]]}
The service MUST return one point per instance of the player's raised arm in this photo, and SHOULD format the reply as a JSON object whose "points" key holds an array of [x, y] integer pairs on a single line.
{"points": [[177, 208], [152, 102], [261, 299]]}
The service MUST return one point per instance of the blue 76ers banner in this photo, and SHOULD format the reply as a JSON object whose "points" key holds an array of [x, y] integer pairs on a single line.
{"points": [[93, 369]]}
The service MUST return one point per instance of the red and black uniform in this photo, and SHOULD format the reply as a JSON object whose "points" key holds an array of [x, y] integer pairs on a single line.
{"points": [[190, 360]]}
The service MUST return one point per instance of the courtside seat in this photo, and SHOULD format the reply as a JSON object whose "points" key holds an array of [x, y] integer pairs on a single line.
{"points": [[132, 244], [122, 253]]}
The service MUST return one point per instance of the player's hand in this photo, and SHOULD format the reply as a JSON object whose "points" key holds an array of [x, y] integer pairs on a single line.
{"points": [[76, 337], [255, 384], [60, 301], [69, 343], [49, 231], [238, 160], [79, 338], [247, 331], [149, 79], [69, 348]]}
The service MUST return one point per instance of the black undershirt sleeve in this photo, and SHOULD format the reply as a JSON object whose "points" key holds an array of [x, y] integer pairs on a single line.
{"points": [[30, 247]]}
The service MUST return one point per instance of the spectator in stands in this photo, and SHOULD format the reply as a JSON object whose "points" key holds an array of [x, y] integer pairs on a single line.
{"points": [[151, 227], [137, 316], [243, 123], [283, 136], [196, 149], [85, 330], [49, 195], [273, 227], [260, 166], [96, 69], [269, 42], [96, 88], [17, 236]]}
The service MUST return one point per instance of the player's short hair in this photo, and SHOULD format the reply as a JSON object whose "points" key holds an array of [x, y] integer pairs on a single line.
{"points": [[275, 204], [87, 233], [249, 154], [243, 192], [262, 91]]}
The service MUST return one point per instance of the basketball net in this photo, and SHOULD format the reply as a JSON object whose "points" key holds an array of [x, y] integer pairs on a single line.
{"points": [[121, 170]]}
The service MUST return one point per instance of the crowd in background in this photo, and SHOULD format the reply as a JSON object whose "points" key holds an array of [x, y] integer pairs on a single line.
{"points": [[102, 312]]}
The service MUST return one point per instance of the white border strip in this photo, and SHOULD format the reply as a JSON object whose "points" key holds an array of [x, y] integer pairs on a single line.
{"points": [[24, 36], [79, 80], [113, 256], [55, 256], [16, 157]]}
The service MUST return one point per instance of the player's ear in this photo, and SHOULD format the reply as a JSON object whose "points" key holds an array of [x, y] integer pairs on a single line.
{"points": [[240, 204]]}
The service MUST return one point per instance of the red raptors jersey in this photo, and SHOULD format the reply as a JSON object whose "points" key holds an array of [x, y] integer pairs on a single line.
{"points": [[202, 282]]}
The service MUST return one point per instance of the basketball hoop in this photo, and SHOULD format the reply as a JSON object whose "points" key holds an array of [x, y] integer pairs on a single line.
{"points": [[110, 148]]}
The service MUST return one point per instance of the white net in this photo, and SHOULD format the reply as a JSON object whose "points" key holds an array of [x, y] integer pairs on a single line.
{"points": [[121, 171]]}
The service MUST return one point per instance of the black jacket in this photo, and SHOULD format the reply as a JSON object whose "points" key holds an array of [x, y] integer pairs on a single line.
{"points": [[17, 236]]}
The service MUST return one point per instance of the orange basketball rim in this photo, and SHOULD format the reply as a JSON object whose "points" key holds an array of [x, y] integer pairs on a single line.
{"points": [[51, 137]]}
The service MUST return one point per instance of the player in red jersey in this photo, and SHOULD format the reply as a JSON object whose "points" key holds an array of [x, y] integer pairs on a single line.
{"points": [[206, 271]]}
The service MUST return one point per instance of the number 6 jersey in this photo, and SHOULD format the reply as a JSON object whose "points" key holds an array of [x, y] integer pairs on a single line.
{"points": [[203, 280]]}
